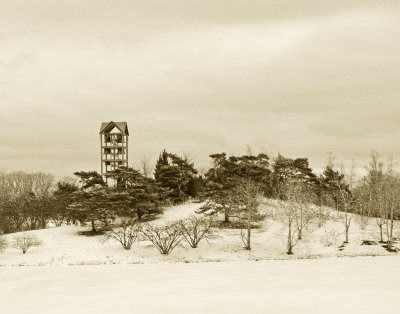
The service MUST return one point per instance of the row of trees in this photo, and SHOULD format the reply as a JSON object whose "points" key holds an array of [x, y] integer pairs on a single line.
{"points": [[164, 238], [26, 201], [234, 186], [375, 196], [378, 196]]}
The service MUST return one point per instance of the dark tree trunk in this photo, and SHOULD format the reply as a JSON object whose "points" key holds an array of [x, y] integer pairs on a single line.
{"points": [[226, 216], [319, 210], [300, 234], [248, 246], [93, 226], [290, 244]]}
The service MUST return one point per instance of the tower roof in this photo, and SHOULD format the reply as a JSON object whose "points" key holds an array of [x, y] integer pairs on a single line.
{"points": [[106, 127]]}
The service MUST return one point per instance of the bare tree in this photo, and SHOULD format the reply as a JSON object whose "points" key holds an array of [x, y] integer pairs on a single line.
{"points": [[202, 171], [392, 201], [344, 216], [331, 160], [288, 212], [374, 182], [196, 228], [363, 199], [125, 232], [346, 199], [246, 199], [323, 214], [25, 200], [164, 238], [146, 167], [249, 151], [25, 241], [43, 191], [306, 210]]}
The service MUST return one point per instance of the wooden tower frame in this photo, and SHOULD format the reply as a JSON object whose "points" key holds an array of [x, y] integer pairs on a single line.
{"points": [[114, 138]]}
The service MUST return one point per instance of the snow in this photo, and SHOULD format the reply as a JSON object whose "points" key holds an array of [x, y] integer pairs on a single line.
{"points": [[72, 273], [331, 285], [62, 246], [178, 212]]}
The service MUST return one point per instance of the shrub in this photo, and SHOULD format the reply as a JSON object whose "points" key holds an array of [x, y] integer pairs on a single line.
{"points": [[126, 232], [164, 238], [330, 237], [362, 221], [195, 228], [25, 241]]}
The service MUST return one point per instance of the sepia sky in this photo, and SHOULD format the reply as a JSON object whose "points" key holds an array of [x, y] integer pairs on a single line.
{"points": [[297, 77]]}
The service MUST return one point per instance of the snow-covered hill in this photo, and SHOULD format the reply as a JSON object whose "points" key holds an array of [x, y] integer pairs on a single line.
{"points": [[63, 246]]}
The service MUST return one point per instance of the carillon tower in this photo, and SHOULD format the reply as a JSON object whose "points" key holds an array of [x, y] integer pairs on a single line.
{"points": [[113, 146]]}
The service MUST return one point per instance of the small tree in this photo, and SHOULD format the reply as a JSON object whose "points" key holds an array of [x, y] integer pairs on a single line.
{"points": [[125, 232], [246, 199], [392, 200], [289, 211], [62, 198], [25, 241], [362, 205], [222, 178], [91, 202], [196, 228], [164, 238], [346, 199], [146, 167], [374, 184], [306, 212]]}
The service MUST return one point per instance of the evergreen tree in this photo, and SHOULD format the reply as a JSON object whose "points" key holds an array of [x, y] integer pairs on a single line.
{"points": [[332, 182], [225, 174], [176, 174], [285, 169], [63, 197], [90, 179], [136, 194], [91, 202]]}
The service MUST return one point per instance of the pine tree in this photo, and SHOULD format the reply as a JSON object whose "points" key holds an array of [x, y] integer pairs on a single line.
{"points": [[176, 174], [136, 194], [225, 174], [91, 202], [286, 169], [63, 197]]}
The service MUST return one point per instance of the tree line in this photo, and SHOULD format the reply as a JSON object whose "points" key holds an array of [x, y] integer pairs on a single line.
{"points": [[234, 186]]}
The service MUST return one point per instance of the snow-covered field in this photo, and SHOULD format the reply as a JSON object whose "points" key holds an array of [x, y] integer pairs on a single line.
{"points": [[71, 273], [63, 246], [331, 285]]}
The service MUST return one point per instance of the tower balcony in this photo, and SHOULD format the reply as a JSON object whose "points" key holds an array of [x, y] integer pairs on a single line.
{"points": [[114, 160]]}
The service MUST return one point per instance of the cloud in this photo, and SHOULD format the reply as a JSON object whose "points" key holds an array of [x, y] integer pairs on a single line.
{"points": [[190, 77]]}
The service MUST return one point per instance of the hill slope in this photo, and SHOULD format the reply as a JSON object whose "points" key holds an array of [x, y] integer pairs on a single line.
{"points": [[63, 246]]}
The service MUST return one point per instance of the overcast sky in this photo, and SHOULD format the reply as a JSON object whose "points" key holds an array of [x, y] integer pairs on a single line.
{"points": [[298, 77]]}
